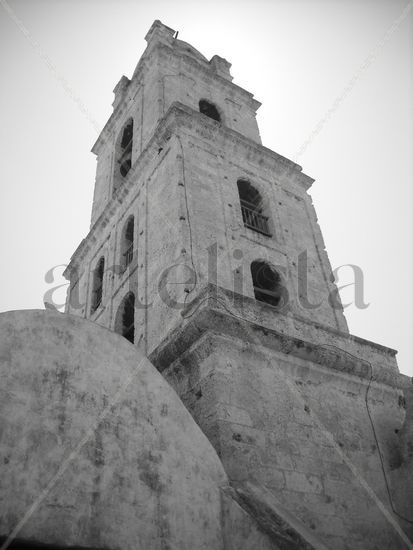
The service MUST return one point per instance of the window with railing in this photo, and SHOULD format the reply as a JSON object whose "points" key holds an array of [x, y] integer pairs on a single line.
{"points": [[128, 256], [252, 208], [97, 285], [123, 154], [127, 243], [253, 218], [125, 318]]}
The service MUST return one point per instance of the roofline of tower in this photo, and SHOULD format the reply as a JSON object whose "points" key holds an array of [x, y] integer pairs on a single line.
{"points": [[135, 81], [178, 112]]}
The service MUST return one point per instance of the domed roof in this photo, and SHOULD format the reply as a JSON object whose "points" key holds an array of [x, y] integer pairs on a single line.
{"points": [[190, 50], [87, 416]]}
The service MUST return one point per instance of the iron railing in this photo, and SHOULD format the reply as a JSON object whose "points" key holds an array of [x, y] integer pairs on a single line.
{"points": [[125, 159], [128, 256], [268, 296], [254, 219]]}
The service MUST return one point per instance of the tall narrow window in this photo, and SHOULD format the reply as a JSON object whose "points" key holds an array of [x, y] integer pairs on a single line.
{"points": [[209, 109], [267, 283], [125, 318], [125, 153], [97, 285], [252, 208], [127, 243]]}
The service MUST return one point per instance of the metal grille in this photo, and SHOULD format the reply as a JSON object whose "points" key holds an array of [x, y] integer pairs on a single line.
{"points": [[125, 159], [268, 296], [254, 219], [128, 256]]}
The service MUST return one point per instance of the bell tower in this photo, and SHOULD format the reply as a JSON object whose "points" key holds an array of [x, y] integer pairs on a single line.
{"points": [[186, 192], [205, 252]]}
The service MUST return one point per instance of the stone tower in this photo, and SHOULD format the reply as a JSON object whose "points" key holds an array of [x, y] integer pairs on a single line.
{"points": [[204, 251]]}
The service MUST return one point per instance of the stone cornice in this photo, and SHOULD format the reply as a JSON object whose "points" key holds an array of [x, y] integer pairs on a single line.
{"points": [[284, 167], [213, 312], [208, 70], [138, 77]]}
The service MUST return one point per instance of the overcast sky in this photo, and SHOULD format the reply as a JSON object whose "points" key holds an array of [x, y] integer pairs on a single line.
{"points": [[336, 82]]}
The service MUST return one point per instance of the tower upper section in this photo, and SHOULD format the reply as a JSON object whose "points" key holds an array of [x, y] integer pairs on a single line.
{"points": [[169, 71], [187, 197]]}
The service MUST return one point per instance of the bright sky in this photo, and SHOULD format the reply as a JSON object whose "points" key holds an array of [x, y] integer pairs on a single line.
{"points": [[344, 69]]}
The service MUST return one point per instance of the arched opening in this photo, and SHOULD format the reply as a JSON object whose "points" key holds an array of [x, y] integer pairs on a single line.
{"points": [[252, 208], [127, 243], [123, 153], [266, 282], [209, 109], [125, 156], [125, 318], [97, 285]]}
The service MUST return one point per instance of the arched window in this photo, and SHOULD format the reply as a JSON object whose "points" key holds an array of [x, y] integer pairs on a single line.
{"points": [[209, 109], [123, 153], [266, 282], [97, 285], [125, 157], [127, 243], [125, 318], [252, 208]]}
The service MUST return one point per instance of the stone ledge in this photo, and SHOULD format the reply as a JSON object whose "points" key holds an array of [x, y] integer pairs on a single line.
{"points": [[211, 313]]}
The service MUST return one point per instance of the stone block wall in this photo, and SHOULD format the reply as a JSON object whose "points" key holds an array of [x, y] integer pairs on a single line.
{"points": [[169, 70], [300, 429]]}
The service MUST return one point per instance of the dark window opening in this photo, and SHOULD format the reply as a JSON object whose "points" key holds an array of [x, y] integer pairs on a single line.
{"points": [[125, 152], [97, 287], [125, 319], [19, 544], [252, 208], [266, 282], [127, 243], [209, 109]]}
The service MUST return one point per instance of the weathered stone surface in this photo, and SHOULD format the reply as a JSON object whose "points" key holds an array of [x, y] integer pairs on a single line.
{"points": [[401, 478], [87, 419], [298, 427], [98, 451], [292, 403]]}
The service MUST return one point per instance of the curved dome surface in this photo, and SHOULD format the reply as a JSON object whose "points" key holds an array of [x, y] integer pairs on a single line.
{"points": [[96, 445], [190, 50]]}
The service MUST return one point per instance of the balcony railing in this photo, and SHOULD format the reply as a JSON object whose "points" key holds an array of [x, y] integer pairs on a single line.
{"points": [[268, 296], [125, 159], [128, 256], [254, 219]]}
